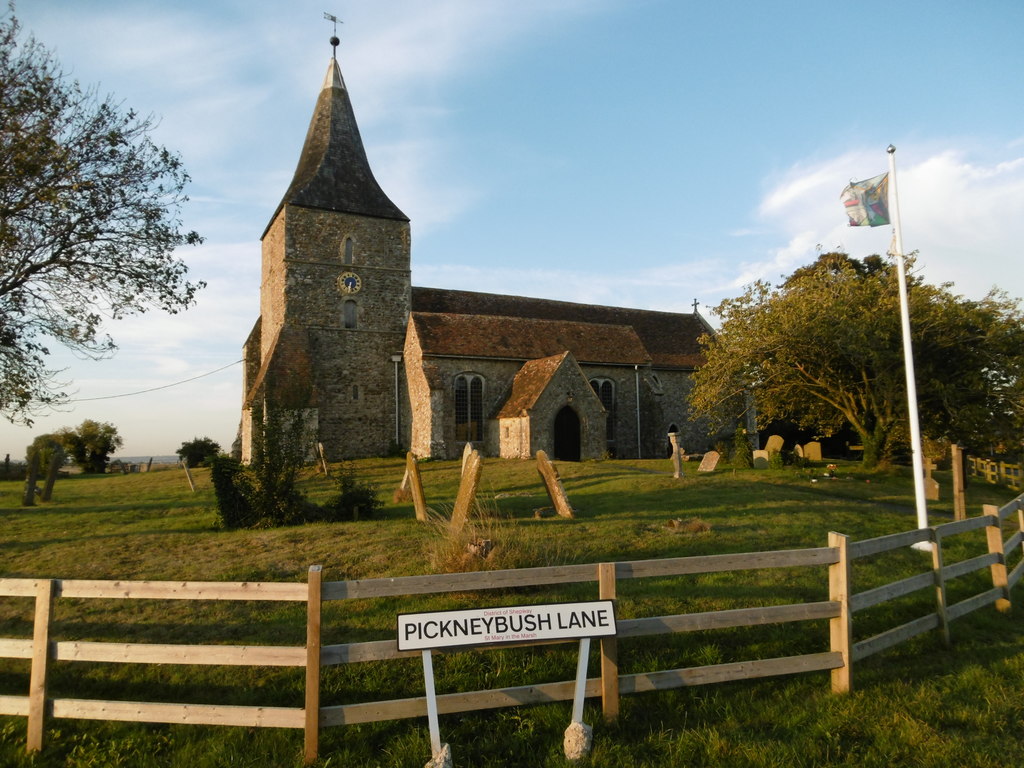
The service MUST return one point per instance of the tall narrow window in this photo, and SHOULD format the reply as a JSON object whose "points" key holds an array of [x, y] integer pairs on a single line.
{"points": [[469, 407], [605, 390], [348, 251], [349, 313]]}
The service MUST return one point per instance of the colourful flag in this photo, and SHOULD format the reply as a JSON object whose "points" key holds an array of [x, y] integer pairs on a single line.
{"points": [[867, 202]]}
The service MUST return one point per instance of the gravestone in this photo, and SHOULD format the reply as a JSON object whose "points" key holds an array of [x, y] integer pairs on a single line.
{"points": [[466, 452], [931, 485], [774, 444], [798, 450], [419, 500], [56, 462], [959, 499], [677, 466], [553, 483], [709, 462], [812, 451], [761, 459], [467, 491]]}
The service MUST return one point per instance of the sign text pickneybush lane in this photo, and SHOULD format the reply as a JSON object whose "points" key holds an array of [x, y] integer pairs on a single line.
{"points": [[505, 624]]}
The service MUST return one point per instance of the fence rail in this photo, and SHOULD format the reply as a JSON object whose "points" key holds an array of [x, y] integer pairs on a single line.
{"points": [[843, 603], [998, 472]]}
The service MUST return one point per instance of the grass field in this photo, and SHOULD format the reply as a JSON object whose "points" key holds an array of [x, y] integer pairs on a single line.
{"points": [[921, 704]]}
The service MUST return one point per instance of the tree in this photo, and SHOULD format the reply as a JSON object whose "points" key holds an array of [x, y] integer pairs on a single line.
{"points": [[90, 444], [824, 349], [89, 221], [198, 450]]}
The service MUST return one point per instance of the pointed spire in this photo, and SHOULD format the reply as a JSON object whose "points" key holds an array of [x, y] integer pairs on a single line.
{"points": [[333, 172]]}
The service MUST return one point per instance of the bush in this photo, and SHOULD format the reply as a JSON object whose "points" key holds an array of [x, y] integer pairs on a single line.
{"points": [[198, 451], [232, 506], [355, 499], [742, 454]]}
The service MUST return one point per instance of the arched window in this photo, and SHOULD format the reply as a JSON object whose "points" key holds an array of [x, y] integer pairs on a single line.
{"points": [[348, 250], [349, 313], [605, 390], [469, 407]]}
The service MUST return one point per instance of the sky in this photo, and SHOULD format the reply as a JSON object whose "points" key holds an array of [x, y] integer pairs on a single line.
{"points": [[639, 153]]}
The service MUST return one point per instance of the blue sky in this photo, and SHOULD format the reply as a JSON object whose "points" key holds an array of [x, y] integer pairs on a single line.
{"points": [[643, 153]]}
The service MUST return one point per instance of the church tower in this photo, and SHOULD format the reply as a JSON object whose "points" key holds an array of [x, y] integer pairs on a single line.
{"points": [[334, 296]]}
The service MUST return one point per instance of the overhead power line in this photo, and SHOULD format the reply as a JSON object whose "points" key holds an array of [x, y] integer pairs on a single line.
{"points": [[154, 389]]}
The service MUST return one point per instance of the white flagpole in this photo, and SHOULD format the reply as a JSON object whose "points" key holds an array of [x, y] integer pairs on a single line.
{"points": [[921, 503]]}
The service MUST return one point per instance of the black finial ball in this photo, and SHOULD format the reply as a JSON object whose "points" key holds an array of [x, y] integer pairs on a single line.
{"points": [[335, 41]]}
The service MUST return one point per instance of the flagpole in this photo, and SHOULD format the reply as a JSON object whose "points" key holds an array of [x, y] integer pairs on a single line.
{"points": [[917, 457]]}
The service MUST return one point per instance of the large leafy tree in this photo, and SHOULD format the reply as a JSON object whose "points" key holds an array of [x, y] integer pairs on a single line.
{"points": [[90, 444], [89, 220], [824, 349]]}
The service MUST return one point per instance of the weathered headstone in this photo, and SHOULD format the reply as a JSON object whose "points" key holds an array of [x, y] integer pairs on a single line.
{"points": [[553, 483], [323, 459], [29, 499], [959, 499], [774, 444], [56, 461], [677, 466], [419, 500], [798, 450], [709, 462], [466, 452], [812, 451], [931, 485], [761, 459], [467, 492]]}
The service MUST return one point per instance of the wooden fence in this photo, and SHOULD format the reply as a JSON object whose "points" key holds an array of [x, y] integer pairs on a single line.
{"points": [[843, 603], [996, 471]]}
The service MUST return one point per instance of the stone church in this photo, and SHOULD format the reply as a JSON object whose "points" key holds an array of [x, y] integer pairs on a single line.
{"points": [[374, 365]]}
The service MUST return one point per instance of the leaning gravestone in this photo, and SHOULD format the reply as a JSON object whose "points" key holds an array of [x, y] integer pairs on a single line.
{"points": [[761, 459], [419, 499], [677, 466], [812, 451], [553, 483], [466, 453], [931, 485], [709, 462], [774, 444], [467, 491]]}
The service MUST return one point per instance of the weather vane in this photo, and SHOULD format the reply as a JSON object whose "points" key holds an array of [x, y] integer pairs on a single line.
{"points": [[334, 38]]}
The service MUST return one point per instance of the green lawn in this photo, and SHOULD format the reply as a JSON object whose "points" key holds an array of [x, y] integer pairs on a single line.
{"points": [[921, 704]]}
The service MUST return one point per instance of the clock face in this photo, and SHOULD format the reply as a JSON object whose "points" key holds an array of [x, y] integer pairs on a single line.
{"points": [[349, 282]]}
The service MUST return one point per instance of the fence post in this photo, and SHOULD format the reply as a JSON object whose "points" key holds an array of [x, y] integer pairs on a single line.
{"points": [[609, 649], [940, 586], [40, 663], [841, 628], [312, 709], [994, 532]]}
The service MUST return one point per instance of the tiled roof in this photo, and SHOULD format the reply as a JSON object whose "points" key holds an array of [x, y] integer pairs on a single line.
{"points": [[668, 338], [525, 338], [529, 385]]}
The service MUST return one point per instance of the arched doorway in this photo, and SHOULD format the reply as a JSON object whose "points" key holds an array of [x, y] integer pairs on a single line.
{"points": [[567, 435], [668, 443]]}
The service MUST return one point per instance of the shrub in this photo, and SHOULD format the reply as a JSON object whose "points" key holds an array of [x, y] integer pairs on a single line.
{"points": [[232, 506], [742, 454], [198, 451], [355, 499]]}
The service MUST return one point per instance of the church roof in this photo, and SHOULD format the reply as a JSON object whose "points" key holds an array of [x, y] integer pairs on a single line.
{"points": [[529, 384], [669, 339], [333, 173], [526, 338]]}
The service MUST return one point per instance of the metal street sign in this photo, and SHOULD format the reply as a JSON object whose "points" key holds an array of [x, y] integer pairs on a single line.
{"points": [[506, 624]]}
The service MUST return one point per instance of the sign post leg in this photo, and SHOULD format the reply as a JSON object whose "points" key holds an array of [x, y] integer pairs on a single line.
{"points": [[440, 753], [579, 735]]}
